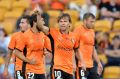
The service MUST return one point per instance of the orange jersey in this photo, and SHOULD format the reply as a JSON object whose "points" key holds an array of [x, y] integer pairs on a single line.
{"points": [[35, 44], [12, 45], [64, 45], [86, 37]]}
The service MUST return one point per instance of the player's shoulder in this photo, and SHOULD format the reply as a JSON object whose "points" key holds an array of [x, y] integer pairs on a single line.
{"points": [[28, 32], [73, 34], [16, 34], [92, 30], [42, 34], [54, 29], [79, 30], [80, 27]]}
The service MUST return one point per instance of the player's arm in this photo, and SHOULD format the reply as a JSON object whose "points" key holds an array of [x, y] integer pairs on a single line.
{"points": [[74, 62], [18, 51], [78, 55], [19, 54], [96, 58], [11, 47], [47, 44], [7, 61], [47, 49], [48, 55], [45, 29]]}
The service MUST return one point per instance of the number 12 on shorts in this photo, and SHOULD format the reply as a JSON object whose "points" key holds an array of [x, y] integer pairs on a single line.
{"points": [[57, 74]]}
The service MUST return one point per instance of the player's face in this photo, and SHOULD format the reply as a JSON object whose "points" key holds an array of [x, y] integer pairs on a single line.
{"points": [[41, 21], [116, 42], [113, 0], [90, 23], [24, 25], [64, 23]]}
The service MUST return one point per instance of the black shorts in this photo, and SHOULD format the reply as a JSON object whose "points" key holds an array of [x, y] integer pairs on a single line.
{"points": [[31, 75], [19, 74], [90, 73], [60, 74]]}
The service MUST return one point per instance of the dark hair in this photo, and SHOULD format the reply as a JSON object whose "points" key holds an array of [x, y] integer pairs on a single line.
{"points": [[116, 37], [33, 17], [27, 17], [106, 34], [2, 29], [87, 15], [64, 15]]}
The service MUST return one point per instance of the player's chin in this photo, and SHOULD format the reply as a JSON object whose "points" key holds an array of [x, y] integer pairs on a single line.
{"points": [[22, 30], [63, 28], [90, 27], [43, 22], [39, 29]]}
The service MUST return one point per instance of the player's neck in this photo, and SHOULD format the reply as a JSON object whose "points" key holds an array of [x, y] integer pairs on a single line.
{"points": [[84, 25], [34, 29], [64, 31], [112, 3]]}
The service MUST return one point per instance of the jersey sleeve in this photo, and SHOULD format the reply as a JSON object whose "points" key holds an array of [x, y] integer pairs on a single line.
{"points": [[52, 32], [77, 41], [21, 43], [12, 43], [78, 31], [47, 44]]}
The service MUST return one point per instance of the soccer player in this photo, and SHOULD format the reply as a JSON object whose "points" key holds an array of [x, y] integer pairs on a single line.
{"points": [[35, 42], [24, 25], [86, 35], [63, 43]]}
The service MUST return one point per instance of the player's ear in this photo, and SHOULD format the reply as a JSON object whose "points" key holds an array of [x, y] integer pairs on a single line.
{"points": [[70, 25], [29, 25], [35, 23], [84, 21]]}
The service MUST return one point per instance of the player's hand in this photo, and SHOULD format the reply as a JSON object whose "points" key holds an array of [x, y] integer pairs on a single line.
{"points": [[33, 61], [37, 9], [74, 67], [83, 66], [5, 73], [99, 69]]}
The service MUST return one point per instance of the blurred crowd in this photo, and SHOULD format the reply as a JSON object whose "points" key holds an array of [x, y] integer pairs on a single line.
{"points": [[107, 42]]}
